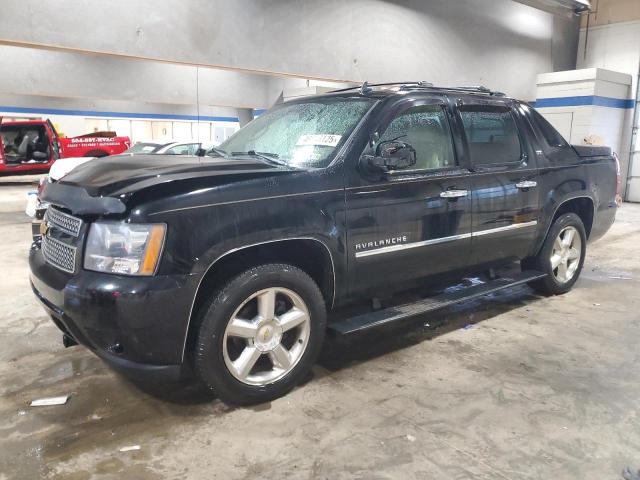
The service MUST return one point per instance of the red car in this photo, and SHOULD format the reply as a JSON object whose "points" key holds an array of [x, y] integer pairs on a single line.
{"points": [[32, 146]]}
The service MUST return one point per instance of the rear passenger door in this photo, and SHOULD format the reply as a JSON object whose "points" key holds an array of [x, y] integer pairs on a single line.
{"points": [[504, 183]]}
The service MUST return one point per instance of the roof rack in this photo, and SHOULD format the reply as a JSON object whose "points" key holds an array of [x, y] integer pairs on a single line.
{"points": [[368, 87], [477, 89], [471, 89]]}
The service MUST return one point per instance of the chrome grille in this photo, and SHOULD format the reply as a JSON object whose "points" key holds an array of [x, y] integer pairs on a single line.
{"points": [[59, 254], [63, 221]]}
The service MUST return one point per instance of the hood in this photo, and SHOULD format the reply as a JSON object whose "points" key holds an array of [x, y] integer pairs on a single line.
{"points": [[64, 165], [103, 187]]}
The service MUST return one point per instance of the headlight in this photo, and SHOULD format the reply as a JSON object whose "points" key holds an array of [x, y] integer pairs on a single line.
{"points": [[124, 248]]}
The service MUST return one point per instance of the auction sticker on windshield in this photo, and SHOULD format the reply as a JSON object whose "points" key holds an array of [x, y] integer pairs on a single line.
{"points": [[324, 140]]}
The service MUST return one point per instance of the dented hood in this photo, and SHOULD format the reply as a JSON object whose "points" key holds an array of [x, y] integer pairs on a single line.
{"points": [[103, 187]]}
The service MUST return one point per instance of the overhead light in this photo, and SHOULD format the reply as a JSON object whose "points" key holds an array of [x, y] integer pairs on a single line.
{"points": [[559, 6], [578, 6]]}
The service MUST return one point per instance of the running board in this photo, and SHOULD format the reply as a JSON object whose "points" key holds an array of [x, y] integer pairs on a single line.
{"points": [[449, 297]]}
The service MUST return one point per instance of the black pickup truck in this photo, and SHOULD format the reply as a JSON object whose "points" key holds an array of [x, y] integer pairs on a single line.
{"points": [[235, 263]]}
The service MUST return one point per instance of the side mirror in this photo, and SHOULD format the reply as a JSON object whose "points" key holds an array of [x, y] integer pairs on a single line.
{"points": [[389, 156]]}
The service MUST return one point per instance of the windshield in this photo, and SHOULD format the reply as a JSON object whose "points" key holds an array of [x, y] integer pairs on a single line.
{"points": [[304, 134]]}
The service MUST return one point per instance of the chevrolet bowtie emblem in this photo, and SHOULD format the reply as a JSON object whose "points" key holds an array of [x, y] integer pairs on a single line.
{"points": [[44, 228]]}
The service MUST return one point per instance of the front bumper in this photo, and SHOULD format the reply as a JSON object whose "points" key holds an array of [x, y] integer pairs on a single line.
{"points": [[137, 324]]}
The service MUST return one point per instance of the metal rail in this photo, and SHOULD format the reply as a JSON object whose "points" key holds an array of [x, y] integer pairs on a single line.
{"points": [[366, 87]]}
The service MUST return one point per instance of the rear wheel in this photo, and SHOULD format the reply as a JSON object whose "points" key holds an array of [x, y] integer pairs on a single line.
{"points": [[561, 257], [260, 334]]}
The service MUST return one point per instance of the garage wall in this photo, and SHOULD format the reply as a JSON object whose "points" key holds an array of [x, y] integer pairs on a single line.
{"points": [[137, 120], [133, 85], [605, 12], [502, 44], [616, 46], [28, 71]]}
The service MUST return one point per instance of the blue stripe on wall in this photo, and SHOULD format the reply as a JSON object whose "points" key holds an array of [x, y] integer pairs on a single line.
{"points": [[584, 100], [92, 113]]}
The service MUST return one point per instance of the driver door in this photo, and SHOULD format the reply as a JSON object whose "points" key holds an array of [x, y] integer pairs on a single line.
{"points": [[53, 141], [414, 221]]}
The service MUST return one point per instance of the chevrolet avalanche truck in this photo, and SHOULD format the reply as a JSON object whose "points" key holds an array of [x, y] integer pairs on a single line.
{"points": [[234, 264]]}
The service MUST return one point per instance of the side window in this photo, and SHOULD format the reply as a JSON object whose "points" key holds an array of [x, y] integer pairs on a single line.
{"points": [[546, 132], [426, 129], [179, 150], [492, 134]]}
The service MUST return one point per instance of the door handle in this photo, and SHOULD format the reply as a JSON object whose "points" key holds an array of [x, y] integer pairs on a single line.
{"points": [[454, 193], [526, 184]]}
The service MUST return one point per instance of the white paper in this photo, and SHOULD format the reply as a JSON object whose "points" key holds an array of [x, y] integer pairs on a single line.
{"points": [[45, 402], [32, 203], [323, 140], [130, 448]]}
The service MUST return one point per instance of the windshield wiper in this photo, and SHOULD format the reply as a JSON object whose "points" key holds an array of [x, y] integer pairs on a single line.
{"points": [[269, 157], [218, 151]]}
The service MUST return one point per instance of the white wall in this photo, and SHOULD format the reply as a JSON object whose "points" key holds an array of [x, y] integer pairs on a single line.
{"points": [[614, 47], [584, 121], [500, 43], [148, 121], [617, 47], [28, 71]]}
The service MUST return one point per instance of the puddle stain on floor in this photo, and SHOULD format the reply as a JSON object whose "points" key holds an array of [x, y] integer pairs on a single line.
{"points": [[107, 411]]}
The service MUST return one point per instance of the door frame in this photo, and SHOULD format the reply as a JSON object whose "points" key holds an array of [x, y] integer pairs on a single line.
{"points": [[527, 163], [356, 181]]}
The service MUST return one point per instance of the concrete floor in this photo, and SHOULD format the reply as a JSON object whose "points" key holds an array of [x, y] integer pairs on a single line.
{"points": [[538, 388]]}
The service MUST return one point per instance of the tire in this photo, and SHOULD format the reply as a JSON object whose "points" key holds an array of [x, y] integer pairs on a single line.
{"points": [[247, 350], [557, 258]]}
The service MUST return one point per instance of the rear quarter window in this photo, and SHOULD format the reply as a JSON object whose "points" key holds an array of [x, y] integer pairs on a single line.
{"points": [[546, 133]]}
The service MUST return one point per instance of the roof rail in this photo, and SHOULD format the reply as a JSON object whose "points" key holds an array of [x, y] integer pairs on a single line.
{"points": [[472, 89], [477, 89], [367, 87]]}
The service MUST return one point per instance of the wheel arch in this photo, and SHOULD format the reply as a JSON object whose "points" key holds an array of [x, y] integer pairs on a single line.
{"points": [[309, 254], [582, 205]]}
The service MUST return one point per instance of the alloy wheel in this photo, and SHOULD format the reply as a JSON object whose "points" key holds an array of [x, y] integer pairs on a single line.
{"points": [[565, 254], [266, 336]]}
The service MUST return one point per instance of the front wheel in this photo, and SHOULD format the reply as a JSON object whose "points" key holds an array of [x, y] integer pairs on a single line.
{"points": [[561, 256], [260, 334]]}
